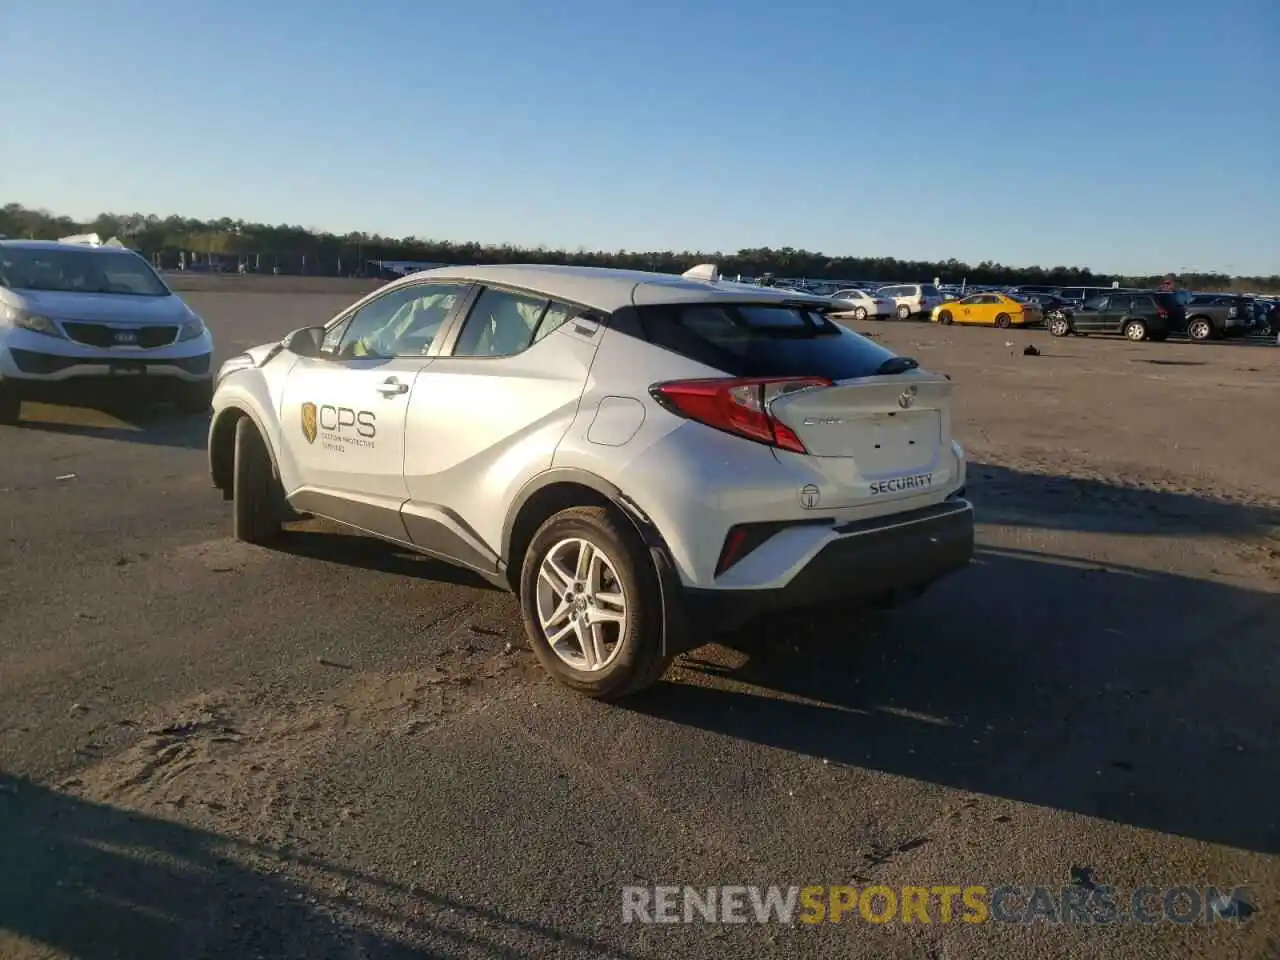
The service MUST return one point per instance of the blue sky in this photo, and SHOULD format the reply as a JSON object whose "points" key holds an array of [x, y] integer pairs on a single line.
{"points": [[1129, 135]]}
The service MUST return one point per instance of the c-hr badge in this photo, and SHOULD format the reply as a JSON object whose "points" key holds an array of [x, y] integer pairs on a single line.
{"points": [[309, 423], [908, 397]]}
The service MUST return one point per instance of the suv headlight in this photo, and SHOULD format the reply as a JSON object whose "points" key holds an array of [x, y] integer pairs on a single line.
{"points": [[30, 321], [192, 329]]}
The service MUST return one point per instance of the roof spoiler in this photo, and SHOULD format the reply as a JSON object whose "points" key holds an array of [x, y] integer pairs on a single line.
{"points": [[703, 271]]}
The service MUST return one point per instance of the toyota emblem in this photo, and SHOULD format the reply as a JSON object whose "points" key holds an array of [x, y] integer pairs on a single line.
{"points": [[908, 397]]}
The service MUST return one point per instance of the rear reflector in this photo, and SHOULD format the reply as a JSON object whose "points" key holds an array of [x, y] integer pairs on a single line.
{"points": [[740, 406], [743, 538]]}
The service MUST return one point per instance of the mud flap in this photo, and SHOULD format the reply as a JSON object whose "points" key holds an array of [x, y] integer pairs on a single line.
{"points": [[677, 632]]}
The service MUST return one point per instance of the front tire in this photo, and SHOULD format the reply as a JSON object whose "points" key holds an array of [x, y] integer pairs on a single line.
{"points": [[592, 604], [944, 317], [10, 406], [255, 488], [1200, 330], [194, 399], [1059, 325]]}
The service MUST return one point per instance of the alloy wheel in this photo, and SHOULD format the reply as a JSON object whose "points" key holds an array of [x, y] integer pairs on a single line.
{"points": [[582, 608]]}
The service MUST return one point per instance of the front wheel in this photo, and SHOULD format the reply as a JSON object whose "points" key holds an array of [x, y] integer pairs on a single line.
{"points": [[1003, 321], [195, 398], [255, 490], [592, 604], [1200, 330], [944, 317], [10, 406], [1059, 325]]}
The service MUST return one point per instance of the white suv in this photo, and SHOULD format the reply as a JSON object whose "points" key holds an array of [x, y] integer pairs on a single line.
{"points": [[912, 299], [71, 312], [638, 456]]}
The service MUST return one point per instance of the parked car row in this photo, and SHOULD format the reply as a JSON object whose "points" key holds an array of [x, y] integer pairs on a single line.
{"points": [[1139, 314]]}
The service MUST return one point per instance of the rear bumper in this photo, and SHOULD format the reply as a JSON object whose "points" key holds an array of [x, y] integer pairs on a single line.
{"points": [[872, 559]]}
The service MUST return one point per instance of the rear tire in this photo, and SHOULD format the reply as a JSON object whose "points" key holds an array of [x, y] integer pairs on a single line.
{"points": [[944, 317], [195, 399], [255, 488], [10, 406], [1003, 321], [1135, 330], [632, 652], [1059, 325], [904, 313], [859, 313]]}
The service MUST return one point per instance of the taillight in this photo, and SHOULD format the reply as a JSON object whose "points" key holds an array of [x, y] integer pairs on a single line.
{"points": [[1162, 311], [739, 406]]}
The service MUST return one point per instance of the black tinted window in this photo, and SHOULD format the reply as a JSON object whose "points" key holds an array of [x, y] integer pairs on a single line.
{"points": [[763, 341]]}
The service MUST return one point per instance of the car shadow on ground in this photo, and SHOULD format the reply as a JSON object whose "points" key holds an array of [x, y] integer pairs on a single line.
{"points": [[1009, 497], [1137, 697], [321, 540], [134, 422], [95, 882]]}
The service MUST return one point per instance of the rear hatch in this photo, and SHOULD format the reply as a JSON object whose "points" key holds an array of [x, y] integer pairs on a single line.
{"points": [[872, 424], [874, 438]]}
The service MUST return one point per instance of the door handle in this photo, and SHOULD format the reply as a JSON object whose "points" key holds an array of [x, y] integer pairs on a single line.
{"points": [[390, 387]]}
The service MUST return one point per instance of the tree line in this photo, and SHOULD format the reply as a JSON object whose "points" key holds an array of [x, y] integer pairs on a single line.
{"points": [[298, 250]]}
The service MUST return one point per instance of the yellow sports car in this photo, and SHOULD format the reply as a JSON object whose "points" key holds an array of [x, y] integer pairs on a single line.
{"points": [[991, 309]]}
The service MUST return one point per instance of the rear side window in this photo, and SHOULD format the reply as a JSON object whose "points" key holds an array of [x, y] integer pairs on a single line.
{"points": [[762, 341], [929, 290], [501, 324], [1167, 300]]}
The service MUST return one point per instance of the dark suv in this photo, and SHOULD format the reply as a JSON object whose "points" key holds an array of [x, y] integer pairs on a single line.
{"points": [[1145, 315]]}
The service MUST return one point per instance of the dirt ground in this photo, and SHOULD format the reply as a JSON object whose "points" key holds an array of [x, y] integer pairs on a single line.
{"points": [[337, 750]]}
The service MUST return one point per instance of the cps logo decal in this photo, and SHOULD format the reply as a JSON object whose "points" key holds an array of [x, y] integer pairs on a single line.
{"points": [[310, 422]]}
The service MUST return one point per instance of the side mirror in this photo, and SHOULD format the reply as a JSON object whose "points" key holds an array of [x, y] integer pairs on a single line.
{"points": [[305, 342]]}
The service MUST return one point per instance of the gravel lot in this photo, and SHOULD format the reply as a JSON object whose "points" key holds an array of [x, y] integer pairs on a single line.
{"points": [[337, 750]]}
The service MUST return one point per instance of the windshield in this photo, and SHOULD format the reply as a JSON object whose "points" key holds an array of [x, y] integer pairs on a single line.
{"points": [[78, 271]]}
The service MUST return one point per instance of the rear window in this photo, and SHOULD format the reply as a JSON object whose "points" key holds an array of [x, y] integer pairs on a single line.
{"points": [[763, 341], [929, 290]]}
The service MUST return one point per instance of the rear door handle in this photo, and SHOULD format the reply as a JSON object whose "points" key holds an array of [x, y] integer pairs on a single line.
{"points": [[390, 387]]}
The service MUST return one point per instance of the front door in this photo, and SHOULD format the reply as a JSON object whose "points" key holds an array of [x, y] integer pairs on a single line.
{"points": [[1091, 316], [346, 410]]}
